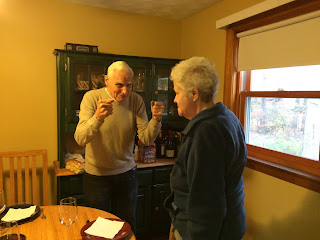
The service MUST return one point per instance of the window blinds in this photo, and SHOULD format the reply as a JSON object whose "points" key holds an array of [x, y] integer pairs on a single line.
{"points": [[294, 42]]}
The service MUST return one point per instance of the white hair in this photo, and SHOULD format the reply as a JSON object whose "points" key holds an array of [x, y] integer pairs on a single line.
{"points": [[197, 72], [120, 66]]}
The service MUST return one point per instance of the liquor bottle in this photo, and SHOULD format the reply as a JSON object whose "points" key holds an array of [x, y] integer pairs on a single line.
{"points": [[160, 146], [170, 145], [163, 147], [141, 151]]}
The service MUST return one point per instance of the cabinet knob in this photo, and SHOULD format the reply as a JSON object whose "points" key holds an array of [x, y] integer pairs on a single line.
{"points": [[156, 209], [156, 92]]}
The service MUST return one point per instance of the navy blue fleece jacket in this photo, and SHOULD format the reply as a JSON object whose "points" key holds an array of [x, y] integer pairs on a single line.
{"points": [[206, 182]]}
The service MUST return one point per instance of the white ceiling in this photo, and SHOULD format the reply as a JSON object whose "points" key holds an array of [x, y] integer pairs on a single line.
{"points": [[173, 9]]}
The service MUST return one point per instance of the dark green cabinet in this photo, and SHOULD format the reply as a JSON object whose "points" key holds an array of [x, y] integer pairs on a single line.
{"points": [[71, 186], [143, 210], [79, 72], [156, 218], [160, 191], [159, 215]]}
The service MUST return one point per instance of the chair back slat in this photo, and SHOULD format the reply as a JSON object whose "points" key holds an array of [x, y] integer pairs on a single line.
{"points": [[12, 186], [34, 180], [45, 178], [19, 180], [26, 179], [1, 173]]}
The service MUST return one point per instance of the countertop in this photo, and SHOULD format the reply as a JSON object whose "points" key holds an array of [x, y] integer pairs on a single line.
{"points": [[158, 163]]}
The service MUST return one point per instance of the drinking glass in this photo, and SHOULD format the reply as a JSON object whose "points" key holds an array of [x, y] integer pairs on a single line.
{"points": [[2, 202], [9, 231], [68, 211]]}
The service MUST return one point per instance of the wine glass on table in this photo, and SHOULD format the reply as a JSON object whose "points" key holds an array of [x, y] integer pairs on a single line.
{"points": [[68, 211], [2, 202], [10, 231]]}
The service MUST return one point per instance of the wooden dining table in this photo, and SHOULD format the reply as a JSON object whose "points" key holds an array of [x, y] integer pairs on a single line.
{"points": [[50, 228]]}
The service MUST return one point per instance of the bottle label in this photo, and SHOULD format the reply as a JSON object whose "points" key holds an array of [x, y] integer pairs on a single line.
{"points": [[162, 150], [170, 153]]}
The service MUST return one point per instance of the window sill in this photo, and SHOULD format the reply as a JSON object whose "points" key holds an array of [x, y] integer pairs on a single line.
{"points": [[293, 176]]}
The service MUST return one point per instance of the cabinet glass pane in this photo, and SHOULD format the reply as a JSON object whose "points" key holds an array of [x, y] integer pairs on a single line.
{"points": [[143, 96], [77, 101], [139, 79], [163, 79], [172, 108], [97, 77], [81, 76], [164, 99]]}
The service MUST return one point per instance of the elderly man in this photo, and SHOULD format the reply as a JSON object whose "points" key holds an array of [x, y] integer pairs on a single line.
{"points": [[109, 120]]}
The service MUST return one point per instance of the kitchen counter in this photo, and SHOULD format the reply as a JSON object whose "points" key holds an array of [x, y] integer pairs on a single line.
{"points": [[158, 163]]}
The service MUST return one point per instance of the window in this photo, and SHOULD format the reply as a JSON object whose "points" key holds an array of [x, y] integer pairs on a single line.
{"points": [[279, 114]]}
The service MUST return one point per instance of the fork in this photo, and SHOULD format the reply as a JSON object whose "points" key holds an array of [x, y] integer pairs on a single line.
{"points": [[42, 214]]}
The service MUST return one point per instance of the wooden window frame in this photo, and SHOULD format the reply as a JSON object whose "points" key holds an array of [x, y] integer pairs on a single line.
{"points": [[299, 163], [307, 176]]}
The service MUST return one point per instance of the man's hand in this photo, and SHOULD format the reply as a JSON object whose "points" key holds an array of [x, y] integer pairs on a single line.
{"points": [[157, 110], [104, 109]]}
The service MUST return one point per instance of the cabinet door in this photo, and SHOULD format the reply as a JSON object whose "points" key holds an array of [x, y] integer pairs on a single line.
{"points": [[163, 91], [71, 186], [142, 80], [84, 73], [143, 209], [160, 216], [162, 174]]}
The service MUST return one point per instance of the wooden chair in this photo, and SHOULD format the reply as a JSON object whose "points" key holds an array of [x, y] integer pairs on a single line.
{"points": [[20, 176]]}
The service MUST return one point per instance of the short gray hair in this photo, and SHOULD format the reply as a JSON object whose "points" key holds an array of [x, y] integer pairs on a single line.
{"points": [[197, 72], [121, 66]]}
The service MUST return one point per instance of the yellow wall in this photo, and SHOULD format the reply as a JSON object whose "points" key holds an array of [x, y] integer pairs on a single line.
{"points": [[30, 31], [200, 36], [276, 210], [279, 210]]}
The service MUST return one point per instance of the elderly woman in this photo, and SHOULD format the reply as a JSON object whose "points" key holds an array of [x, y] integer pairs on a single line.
{"points": [[207, 189]]}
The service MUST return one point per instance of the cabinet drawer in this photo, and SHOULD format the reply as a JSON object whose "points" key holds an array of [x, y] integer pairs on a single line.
{"points": [[76, 184], [80, 200], [144, 177], [162, 174], [71, 185]]}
